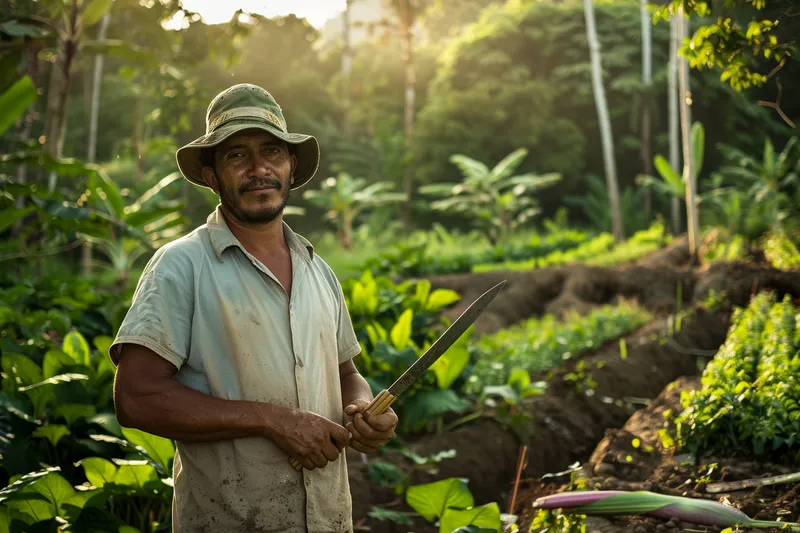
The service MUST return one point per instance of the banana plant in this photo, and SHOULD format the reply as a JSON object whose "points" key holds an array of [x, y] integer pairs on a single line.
{"points": [[149, 222], [670, 183], [497, 198], [344, 198]]}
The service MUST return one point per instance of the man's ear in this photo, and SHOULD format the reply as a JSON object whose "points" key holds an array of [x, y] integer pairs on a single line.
{"points": [[210, 177]]}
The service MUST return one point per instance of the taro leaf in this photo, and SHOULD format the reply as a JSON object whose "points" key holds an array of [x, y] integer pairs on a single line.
{"points": [[431, 500], [17, 407], [72, 412], [397, 360], [19, 370], [135, 474], [53, 487], [8, 217], [76, 347], [401, 332], [506, 392], [441, 298], [20, 457], [385, 473], [52, 432], [158, 448], [98, 471], [130, 447], [55, 380], [15, 101], [487, 516], [398, 517], [427, 405], [108, 422], [450, 365]]}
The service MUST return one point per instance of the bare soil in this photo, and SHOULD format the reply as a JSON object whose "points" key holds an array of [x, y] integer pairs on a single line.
{"points": [[616, 464]]}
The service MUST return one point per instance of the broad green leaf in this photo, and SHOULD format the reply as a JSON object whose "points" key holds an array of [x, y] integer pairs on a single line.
{"points": [[110, 194], [52, 432], [487, 516], [21, 483], [398, 517], [95, 11], [54, 489], [61, 378], [507, 392], [15, 101], [427, 405], [75, 346], [128, 529], [158, 448], [135, 474], [509, 164], [519, 377], [669, 174], [72, 412], [19, 370], [98, 471], [431, 500], [450, 365], [441, 298], [401, 332], [108, 422], [423, 289]]}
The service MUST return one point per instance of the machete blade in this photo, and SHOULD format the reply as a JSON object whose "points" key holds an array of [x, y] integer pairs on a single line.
{"points": [[441, 345]]}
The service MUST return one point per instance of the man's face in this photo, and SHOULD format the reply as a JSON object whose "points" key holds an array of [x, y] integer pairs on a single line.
{"points": [[252, 176]]}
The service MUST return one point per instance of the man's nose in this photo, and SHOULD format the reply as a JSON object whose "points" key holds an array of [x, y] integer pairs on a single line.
{"points": [[261, 166]]}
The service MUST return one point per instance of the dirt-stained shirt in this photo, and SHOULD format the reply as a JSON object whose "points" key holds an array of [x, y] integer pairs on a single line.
{"points": [[222, 318]]}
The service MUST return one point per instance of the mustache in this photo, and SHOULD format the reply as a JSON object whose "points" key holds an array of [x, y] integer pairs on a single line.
{"points": [[259, 183]]}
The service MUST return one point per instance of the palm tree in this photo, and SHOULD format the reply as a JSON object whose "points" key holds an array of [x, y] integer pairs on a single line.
{"points": [[496, 198]]}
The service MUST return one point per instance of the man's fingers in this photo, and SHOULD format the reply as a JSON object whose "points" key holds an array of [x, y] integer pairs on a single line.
{"points": [[356, 406], [307, 463], [384, 423], [340, 435], [358, 437], [319, 460], [357, 446], [369, 431], [330, 451]]}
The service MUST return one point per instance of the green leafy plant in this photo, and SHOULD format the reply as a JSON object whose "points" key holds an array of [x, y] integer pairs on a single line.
{"points": [[496, 198], [780, 251], [451, 503], [749, 402]]}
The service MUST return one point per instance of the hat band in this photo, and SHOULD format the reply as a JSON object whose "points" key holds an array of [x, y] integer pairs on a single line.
{"points": [[258, 113]]}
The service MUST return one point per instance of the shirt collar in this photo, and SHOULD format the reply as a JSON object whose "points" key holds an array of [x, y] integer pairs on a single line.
{"points": [[222, 238]]}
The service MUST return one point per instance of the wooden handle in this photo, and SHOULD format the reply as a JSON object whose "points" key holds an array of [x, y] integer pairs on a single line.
{"points": [[379, 405]]}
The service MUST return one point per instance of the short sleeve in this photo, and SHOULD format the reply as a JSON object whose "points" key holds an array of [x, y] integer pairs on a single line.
{"points": [[160, 317], [345, 335]]}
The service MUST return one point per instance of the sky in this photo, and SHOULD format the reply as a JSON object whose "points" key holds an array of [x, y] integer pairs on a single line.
{"points": [[317, 12]]}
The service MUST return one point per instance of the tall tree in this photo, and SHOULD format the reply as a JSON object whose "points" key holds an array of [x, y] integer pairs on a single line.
{"points": [[605, 123], [647, 74], [686, 126], [674, 119]]}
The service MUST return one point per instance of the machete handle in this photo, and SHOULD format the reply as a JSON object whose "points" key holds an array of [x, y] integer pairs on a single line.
{"points": [[379, 405]]}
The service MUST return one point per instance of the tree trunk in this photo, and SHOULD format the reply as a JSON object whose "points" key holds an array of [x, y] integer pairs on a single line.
{"points": [[347, 65], [605, 124], [32, 68], [647, 74], [688, 157], [58, 91], [137, 140], [406, 39], [94, 107], [674, 136]]}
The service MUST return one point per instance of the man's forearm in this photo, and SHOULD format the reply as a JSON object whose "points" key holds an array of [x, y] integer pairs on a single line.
{"points": [[169, 409], [355, 387]]}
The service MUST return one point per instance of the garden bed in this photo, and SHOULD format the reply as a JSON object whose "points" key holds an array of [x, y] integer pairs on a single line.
{"points": [[617, 464], [564, 423]]}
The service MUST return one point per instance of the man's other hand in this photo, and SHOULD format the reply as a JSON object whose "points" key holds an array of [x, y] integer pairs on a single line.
{"points": [[370, 432], [310, 438]]}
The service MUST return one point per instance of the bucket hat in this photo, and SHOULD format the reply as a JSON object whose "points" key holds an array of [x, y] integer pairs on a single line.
{"points": [[240, 107]]}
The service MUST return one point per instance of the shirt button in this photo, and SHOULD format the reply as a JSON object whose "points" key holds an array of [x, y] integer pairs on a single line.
{"points": [[308, 481], [300, 363]]}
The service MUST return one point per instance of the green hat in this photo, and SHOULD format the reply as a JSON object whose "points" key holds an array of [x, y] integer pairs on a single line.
{"points": [[241, 107]]}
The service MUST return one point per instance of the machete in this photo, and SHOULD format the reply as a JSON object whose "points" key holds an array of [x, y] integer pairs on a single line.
{"points": [[381, 403]]}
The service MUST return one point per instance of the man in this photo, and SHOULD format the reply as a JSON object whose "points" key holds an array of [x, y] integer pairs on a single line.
{"points": [[238, 344]]}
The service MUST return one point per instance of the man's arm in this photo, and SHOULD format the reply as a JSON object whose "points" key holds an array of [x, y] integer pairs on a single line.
{"points": [[369, 432], [147, 397]]}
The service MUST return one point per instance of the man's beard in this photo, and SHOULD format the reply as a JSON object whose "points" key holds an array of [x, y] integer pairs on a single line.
{"points": [[263, 213]]}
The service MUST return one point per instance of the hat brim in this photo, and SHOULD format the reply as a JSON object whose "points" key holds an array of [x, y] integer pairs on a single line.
{"points": [[306, 149]]}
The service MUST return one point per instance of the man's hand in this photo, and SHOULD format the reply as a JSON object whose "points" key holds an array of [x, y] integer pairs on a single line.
{"points": [[369, 432], [310, 438]]}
